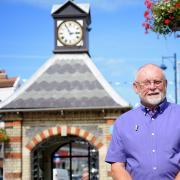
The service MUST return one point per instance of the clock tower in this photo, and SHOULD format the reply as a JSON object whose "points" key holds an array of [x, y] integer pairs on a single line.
{"points": [[71, 27]]}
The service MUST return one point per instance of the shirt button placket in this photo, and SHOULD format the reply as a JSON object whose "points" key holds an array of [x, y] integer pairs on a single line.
{"points": [[153, 136]]}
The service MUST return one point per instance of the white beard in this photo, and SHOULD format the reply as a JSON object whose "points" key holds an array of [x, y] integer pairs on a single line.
{"points": [[154, 99]]}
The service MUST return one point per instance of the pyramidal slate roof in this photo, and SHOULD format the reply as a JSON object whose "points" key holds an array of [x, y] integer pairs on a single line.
{"points": [[65, 81], [83, 6]]}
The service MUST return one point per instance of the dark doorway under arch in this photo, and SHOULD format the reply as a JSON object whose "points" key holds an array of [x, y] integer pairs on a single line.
{"points": [[65, 158]]}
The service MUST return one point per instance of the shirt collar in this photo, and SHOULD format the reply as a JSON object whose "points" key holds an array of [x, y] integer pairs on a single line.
{"points": [[159, 109]]}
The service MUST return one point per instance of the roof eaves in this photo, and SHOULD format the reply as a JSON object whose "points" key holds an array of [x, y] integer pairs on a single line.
{"points": [[59, 109]]}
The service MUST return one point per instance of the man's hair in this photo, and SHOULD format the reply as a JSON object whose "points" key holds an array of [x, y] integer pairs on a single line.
{"points": [[146, 65]]}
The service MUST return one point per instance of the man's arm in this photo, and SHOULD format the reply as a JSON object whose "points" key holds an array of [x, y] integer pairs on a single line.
{"points": [[178, 176], [119, 172]]}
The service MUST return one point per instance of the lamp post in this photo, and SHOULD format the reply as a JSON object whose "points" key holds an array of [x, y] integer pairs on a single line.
{"points": [[164, 67]]}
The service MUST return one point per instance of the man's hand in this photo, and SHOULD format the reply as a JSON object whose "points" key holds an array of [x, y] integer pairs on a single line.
{"points": [[119, 172]]}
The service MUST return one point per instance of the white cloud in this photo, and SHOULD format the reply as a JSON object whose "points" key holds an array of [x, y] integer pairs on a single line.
{"points": [[113, 4], [117, 83], [114, 62], [170, 97], [24, 80], [110, 61], [115, 65], [100, 4], [21, 56], [170, 82]]}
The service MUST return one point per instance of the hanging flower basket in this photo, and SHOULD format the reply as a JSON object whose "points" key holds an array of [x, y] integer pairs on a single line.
{"points": [[3, 135], [162, 16]]}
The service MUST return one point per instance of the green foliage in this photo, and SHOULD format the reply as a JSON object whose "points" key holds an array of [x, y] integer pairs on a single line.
{"points": [[3, 135]]}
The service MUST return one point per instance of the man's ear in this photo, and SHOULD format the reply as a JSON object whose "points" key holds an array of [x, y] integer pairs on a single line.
{"points": [[166, 82], [135, 87]]}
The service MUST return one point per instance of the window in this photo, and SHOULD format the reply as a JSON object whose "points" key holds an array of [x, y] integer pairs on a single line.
{"points": [[75, 160]]}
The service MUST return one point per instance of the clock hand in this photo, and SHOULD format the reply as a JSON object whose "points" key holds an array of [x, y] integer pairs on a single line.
{"points": [[68, 29], [74, 33]]}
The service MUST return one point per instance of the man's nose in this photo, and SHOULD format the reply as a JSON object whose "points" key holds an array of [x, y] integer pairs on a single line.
{"points": [[152, 85]]}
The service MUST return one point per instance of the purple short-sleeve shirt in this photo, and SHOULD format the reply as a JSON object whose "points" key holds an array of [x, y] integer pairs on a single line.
{"points": [[149, 143]]}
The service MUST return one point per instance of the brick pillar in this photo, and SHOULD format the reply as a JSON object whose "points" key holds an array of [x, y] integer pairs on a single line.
{"points": [[26, 157], [13, 151], [107, 134]]}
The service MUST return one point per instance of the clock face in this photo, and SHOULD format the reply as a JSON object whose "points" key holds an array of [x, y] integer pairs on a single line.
{"points": [[69, 33]]}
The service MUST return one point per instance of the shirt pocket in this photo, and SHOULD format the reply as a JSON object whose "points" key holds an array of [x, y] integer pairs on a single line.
{"points": [[135, 141]]}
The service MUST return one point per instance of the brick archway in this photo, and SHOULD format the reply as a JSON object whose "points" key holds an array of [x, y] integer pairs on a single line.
{"points": [[64, 131]]}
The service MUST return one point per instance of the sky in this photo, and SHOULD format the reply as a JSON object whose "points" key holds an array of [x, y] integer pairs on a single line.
{"points": [[118, 43]]}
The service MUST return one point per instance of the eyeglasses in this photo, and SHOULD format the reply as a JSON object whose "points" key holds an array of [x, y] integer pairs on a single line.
{"points": [[146, 84]]}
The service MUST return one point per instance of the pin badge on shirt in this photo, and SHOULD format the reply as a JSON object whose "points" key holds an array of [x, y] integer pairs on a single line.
{"points": [[136, 128]]}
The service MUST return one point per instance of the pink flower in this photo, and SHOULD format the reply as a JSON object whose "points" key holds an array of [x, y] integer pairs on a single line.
{"points": [[146, 13], [166, 21], [148, 3], [146, 25], [171, 17], [177, 4]]}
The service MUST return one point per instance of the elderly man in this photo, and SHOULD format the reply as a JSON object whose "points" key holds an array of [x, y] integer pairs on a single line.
{"points": [[145, 143]]}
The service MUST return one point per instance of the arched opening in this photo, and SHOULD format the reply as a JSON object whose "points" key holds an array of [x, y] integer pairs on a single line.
{"points": [[65, 158]]}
